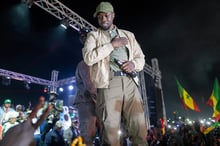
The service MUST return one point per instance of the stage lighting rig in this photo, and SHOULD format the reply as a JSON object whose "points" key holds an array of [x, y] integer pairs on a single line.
{"points": [[27, 85], [6, 80], [65, 23]]}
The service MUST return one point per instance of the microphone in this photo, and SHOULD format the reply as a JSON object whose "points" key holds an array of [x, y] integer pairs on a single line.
{"points": [[131, 74]]}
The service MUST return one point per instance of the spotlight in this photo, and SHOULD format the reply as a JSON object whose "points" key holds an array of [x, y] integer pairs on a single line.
{"points": [[27, 85], [6, 81], [65, 23], [70, 87], [84, 30], [61, 89]]}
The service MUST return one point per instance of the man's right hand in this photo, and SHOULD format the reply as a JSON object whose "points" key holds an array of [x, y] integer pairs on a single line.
{"points": [[119, 42]]}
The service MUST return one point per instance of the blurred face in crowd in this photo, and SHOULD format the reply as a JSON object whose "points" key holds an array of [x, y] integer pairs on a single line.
{"points": [[19, 108], [66, 117], [75, 123], [202, 127], [12, 120], [7, 105]]}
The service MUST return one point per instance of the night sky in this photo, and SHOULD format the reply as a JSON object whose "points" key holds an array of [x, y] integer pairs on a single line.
{"points": [[183, 35]]}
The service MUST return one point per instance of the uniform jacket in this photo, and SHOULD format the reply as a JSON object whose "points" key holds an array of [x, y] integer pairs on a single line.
{"points": [[96, 54]]}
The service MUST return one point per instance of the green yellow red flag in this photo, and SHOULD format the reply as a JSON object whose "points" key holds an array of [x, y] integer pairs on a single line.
{"points": [[186, 99], [214, 99]]}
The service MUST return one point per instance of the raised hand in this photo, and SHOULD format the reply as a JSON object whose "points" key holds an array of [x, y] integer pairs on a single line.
{"points": [[22, 134]]}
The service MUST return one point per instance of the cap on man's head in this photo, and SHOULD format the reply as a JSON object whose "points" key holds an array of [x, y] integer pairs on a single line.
{"points": [[105, 7], [59, 124], [7, 101]]}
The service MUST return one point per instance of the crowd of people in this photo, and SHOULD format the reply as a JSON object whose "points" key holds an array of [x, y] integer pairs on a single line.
{"points": [[60, 127], [184, 134], [66, 129]]}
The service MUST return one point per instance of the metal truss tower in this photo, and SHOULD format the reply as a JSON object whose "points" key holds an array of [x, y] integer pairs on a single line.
{"points": [[61, 12]]}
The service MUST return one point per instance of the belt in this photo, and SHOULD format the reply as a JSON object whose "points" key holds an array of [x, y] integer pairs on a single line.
{"points": [[120, 73]]}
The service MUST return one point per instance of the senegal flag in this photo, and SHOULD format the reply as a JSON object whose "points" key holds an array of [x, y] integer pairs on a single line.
{"points": [[162, 121], [186, 99], [210, 128], [214, 99]]}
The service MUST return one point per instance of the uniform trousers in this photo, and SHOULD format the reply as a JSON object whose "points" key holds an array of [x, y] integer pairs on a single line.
{"points": [[121, 99]]}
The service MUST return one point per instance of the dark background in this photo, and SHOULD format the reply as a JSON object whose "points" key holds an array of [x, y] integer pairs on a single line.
{"points": [[182, 34]]}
